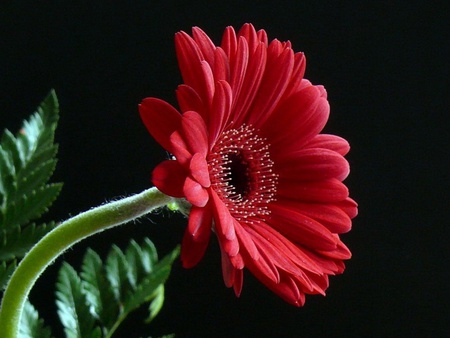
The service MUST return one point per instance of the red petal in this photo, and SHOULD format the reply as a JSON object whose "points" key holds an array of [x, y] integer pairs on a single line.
{"points": [[297, 75], [238, 281], [232, 277], [237, 261], [331, 216], [199, 170], [281, 251], [207, 82], [238, 67], [188, 99], [319, 283], [224, 224], [221, 107], [246, 241], [221, 67], [200, 223], [248, 32], [286, 288], [289, 291], [189, 58], [196, 237], [275, 48], [262, 36], [193, 67], [243, 99], [169, 177], [180, 149], [192, 251], [195, 134], [299, 119], [331, 142], [329, 265], [223, 218], [227, 270], [327, 191], [229, 41], [313, 164], [264, 264], [205, 44], [303, 281], [340, 253], [349, 206], [195, 193], [161, 120], [301, 229], [275, 80]]}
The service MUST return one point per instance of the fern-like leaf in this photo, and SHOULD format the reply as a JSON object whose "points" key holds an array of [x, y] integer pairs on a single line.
{"points": [[73, 308], [148, 284], [156, 303], [141, 259], [6, 270], [118, 274], [31, 206], [111, 290], [31, 326], [99, 292], [27, 161], [17, 243]]}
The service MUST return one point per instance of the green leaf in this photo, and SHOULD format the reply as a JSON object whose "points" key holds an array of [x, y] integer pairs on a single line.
{"points": [[20, 240], [117, 273], [10, 144], [140, 260], [156, 304], [125, 281], [7, 175], [146, 290], [98, 290], [41, 156], [31, 206], [31, 326], [27, 161], [29, 180], [73, 308], [6, 270]]}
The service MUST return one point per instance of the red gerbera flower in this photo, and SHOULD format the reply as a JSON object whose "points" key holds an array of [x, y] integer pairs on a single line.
{"points": [[248, 157]]}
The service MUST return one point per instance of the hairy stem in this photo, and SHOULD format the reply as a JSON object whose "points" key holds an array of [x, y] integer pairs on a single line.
{"points": [[60, 239]]}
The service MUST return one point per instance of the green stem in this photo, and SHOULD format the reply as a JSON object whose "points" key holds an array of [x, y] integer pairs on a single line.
{"points": [[116, 325], [60, 239]]}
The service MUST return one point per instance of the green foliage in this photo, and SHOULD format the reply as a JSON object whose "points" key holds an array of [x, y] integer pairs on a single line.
{"points": [[91, 303], [95, 302], [31, 326], [73, 308], [21, 239], [27, 161], [6, 270]]}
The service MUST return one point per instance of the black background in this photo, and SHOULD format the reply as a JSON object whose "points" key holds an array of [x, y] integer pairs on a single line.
{"points": [[385, 66]]}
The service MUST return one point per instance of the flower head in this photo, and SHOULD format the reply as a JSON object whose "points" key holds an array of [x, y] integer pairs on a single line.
{"points": [[248, 157]]}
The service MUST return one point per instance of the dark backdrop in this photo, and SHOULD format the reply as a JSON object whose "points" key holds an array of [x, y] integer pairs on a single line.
{"points": [[386, 70]]}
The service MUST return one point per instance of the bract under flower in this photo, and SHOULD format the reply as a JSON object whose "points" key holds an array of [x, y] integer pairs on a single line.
{"points": [[249, 157]]}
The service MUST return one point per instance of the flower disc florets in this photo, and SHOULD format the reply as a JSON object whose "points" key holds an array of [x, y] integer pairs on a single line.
{"points": [[241, 172]]}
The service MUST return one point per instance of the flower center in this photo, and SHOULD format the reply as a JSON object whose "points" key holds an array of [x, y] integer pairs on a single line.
{"points": [[241, 173]]}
